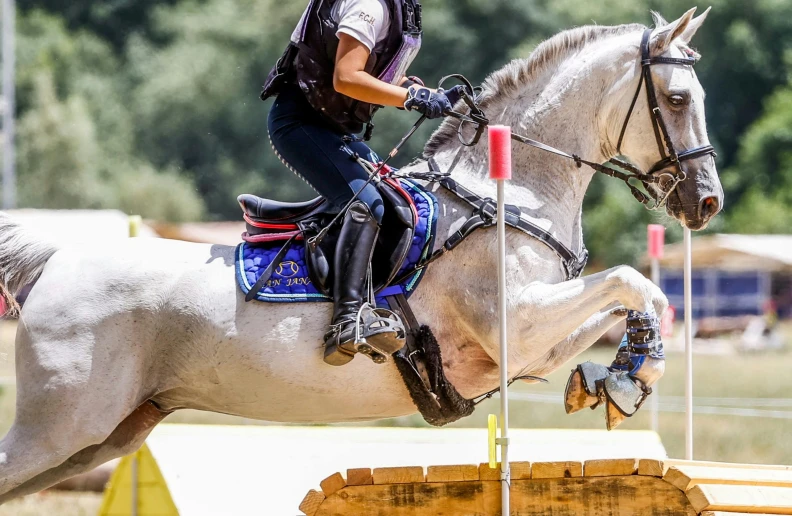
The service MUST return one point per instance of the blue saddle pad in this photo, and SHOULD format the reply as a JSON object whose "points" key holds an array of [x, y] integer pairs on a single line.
{"points": [[290, 282]]}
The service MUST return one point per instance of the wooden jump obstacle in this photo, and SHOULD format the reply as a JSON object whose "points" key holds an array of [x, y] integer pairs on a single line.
{"points": [[595, 487]]}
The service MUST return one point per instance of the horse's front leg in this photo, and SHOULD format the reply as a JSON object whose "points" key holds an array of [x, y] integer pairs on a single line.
{"points": [[588, 303], [550, 313], [580, 340]]}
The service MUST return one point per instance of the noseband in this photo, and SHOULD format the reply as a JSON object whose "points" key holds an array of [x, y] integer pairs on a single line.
{"points": [[664, 143]]}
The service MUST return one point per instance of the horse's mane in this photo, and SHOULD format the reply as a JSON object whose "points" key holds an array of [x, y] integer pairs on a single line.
{"points": [[512, 78]]}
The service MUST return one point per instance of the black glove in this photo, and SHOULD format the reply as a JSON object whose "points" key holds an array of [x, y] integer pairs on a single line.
{"points": [[455, 93], [432, 104]]}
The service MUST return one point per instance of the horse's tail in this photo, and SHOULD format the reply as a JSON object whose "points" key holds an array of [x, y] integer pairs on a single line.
{"points": [[22, 258]]}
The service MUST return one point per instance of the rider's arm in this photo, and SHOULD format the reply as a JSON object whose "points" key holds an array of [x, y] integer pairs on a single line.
{"points": [[351, 79]]}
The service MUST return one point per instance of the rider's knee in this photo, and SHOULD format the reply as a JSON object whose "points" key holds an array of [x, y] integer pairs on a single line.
{"points": [[378, 210], [371, 198]]}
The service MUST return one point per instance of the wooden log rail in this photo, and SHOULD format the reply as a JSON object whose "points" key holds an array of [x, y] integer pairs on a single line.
{"points": [[595, 487]]}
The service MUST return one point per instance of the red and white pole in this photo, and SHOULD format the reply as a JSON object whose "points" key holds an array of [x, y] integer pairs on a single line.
{"points": [[656, 240], [500, 169]]}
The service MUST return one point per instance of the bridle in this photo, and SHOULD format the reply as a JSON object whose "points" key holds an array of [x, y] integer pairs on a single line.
{"points": [[664, 143], [484, 211], [620, 169]]}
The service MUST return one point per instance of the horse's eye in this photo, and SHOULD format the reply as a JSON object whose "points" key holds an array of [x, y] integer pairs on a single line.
{"points": [[677, 100]]}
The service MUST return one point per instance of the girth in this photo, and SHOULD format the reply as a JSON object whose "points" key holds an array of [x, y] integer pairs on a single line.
{"points": [[421, 367]]}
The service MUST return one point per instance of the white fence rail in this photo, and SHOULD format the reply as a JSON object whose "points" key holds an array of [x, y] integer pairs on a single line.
{"points": [[741, 407]]}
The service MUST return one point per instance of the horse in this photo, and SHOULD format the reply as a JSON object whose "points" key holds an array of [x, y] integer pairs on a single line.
{"points": [[111, 339]]}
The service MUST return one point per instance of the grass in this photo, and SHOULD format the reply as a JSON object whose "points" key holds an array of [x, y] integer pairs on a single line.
{"points": [[716, 437]]}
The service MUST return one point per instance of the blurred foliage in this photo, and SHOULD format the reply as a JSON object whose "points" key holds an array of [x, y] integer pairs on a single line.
{"points": [[76, 145], [151, 106], [112, 20]]}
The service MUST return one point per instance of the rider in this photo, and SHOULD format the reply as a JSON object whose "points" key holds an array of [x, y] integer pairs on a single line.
{"points": [[346, 59]]}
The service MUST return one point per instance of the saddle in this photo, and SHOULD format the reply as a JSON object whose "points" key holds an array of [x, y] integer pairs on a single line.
{"points": [[269, 222], [279, 239]]}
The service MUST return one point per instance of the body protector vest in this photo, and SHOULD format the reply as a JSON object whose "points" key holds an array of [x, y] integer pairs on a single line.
{"points": [[310, 63]]}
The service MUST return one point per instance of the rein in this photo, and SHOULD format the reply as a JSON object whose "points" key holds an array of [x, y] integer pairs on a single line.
{"points": [[632, 172], [484, 209], [668, 153]]}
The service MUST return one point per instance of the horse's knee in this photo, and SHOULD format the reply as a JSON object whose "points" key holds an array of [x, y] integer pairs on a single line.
{"points": [[58, 464], [59, 433], [636, 291], [625, 277]]}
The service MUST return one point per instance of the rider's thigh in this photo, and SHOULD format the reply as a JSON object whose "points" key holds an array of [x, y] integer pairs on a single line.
{"points": [[320, 155]]}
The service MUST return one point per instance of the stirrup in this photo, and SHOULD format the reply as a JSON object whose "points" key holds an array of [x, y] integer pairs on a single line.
{"points": [[379, 333]]}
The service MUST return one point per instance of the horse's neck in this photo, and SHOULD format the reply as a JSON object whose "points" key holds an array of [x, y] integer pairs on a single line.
{"points": [[561, 110]]}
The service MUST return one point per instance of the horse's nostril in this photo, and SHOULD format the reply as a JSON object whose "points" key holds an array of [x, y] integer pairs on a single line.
{"points": [[709, 207]]}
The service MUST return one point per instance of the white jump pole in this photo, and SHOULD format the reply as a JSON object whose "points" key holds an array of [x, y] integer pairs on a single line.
{"points": [[655, 239], [688, 345], [135, 221], [500, 170]]}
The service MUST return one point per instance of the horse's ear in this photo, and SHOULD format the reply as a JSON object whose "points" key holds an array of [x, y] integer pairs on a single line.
{"points": [[664, 35], [693, 26]]}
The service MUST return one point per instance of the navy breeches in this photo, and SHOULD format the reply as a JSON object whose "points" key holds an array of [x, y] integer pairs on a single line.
{"points": [[319, 154]]}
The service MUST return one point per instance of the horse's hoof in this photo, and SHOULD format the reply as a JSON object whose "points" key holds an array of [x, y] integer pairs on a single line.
{"points": [[337, 356], [575, 396], [613, 417]]}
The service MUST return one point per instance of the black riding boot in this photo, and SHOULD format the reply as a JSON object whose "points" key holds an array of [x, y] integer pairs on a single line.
{"points": [[379, 336]]}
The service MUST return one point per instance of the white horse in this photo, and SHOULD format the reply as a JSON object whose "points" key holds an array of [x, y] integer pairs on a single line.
{"points": [[112, 339]]}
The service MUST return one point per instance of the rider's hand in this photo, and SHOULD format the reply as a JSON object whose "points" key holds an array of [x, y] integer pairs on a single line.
{"points": [[432, 104], [455, 93]]}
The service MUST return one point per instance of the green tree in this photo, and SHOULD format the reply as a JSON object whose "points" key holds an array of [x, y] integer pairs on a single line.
{"points": [[166, 90], [75, 137], [196, 98], [112, 20], [763, 171], [58, 152]]}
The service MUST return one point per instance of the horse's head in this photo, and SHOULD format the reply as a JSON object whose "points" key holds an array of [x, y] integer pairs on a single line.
{"points": [[695, 190]]}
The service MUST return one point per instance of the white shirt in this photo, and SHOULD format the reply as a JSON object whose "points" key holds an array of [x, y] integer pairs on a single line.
{"points": [[368, 21]]}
